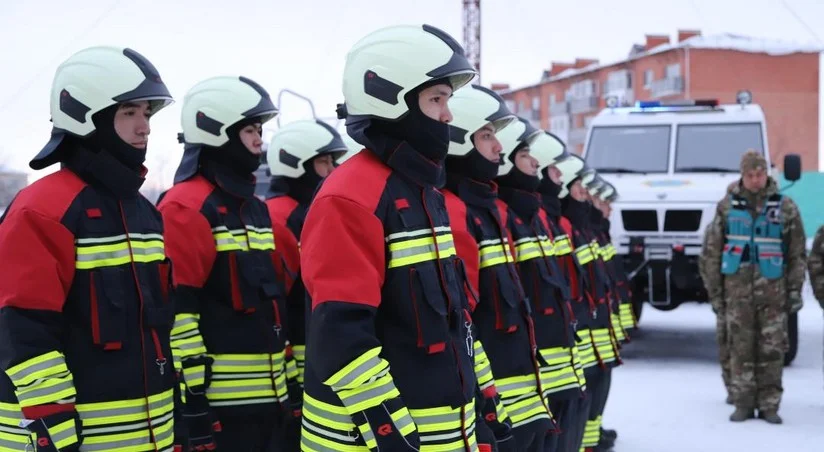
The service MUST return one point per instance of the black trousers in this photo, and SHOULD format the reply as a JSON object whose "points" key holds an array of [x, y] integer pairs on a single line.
{"points": [[569, 420], [249, 433], [533, 437]]}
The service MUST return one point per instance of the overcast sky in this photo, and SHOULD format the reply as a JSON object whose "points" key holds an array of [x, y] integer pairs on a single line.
{"points": [[301, 45]]}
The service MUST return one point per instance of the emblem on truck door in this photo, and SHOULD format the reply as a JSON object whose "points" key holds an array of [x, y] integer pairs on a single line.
{"points": [[662, 195]]}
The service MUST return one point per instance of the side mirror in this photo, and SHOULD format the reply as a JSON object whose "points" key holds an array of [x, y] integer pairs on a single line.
{"points": [[792, 167]]}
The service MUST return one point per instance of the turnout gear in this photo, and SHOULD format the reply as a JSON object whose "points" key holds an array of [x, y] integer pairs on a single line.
{"points": [[291, 154], [482, 242], [91, 81], [229, 329], [84, 293], [390, 330]]}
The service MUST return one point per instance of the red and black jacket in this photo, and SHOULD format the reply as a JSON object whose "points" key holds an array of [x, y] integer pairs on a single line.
{"points": [[85, 310], [547, 291], [229, 303], [388, 306], [502, 313]]}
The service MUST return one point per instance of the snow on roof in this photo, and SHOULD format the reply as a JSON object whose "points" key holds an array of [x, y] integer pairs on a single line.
{"points": [[721, 41]]}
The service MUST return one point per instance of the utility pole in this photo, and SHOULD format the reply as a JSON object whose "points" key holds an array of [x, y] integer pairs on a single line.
{"points": [[472, 34]]}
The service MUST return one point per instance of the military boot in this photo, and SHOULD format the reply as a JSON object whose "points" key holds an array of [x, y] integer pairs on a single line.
{"points": [[609, 433], [741, 415], [771, 416], [729, 400]]}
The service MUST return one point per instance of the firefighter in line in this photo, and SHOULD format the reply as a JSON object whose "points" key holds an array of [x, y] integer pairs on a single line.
{"points": [[482, 241], [528, 150], [300, 155], [229, 331], [588, 278], [84, 303], [389, 344], [754, 265]]}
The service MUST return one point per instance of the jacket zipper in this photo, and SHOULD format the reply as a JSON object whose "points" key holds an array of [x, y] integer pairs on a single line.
{"points": [[160, 360]]}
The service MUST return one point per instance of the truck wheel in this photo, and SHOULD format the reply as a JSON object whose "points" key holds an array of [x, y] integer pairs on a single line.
{"points": [[792, 332]]}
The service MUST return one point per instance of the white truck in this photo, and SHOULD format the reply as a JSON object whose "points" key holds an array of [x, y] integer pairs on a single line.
{"points": [[671, 164]]}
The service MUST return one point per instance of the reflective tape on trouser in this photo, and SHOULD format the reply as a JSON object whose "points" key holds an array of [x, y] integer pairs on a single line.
{"points": [[414, 247], [123, 425], [627, 316], [617, 327], [247, 379], [117, 250], [603, 344], [42, 380], [592, 433]]}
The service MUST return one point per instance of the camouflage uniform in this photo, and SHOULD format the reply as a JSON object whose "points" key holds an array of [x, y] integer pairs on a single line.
{"points": [[755, 308], [816, 266], [717, 302]]}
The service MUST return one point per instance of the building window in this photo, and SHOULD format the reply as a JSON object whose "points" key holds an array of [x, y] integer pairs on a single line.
{"points": [[648, 78], [551, 99], [674, 70], [512, 106]]}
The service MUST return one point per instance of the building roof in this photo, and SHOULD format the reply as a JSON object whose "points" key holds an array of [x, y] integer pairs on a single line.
{"points": [[721, 41]]}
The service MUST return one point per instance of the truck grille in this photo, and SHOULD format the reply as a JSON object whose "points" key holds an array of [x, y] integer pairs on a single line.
{"points": [[640, 220], [682, 220]]}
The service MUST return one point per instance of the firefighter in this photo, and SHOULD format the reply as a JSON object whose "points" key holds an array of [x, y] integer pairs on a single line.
{"points": [[229, 332], [528, 151], [299, 155], [589, 283], [84, 304], [505, 330], [389, 357]]}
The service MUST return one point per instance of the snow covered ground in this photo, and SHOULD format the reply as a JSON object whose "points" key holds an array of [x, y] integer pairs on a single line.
{"points": [[668, 397]]}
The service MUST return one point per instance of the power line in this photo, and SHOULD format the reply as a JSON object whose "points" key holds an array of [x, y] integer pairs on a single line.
{"points": [[8, 101], [801, 21]]}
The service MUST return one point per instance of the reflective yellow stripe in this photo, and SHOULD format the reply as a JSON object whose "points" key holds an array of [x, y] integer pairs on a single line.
{"points": [[187, 343], [483, 370], [299, 353], [583, 255], [260, 238], [403, 423], [546, 245], [516, 386], [43, 379], [243, 379], [359, 370], [243, 239], [592, 433], [526, 409], [422, 248], [494, 252], [579, 368], [627, 316], [125, 411], [370, 394], [527, 248], [440, 429], [117, 250], [562, 246], [617, 326], [63, 434]]}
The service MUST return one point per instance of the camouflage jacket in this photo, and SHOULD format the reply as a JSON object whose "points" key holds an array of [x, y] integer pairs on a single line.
{"points": [[816, 266], [714, 238]]}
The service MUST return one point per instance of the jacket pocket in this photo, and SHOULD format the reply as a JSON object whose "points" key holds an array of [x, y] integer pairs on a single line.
{"points": [[731, 258], [158, 310], [107, 300], [245, 281], [430, 307], [506, 298]]}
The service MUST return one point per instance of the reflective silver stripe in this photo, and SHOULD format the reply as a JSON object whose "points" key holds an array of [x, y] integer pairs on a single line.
{"points": [[104, 255], [509, 387], [87, 415], [327, 434], [235, 389], [100, 431], [421, 249], [65, 434], [27, 395], [249, 401], [376, 393], [23, 443], [259, 230], [21, 377], [118, 238], [364, 368], [248, 375], [416, 233], [485, 243]]}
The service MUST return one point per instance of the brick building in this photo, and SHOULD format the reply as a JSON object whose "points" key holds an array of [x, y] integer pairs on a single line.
{"points": [[783, 79]]}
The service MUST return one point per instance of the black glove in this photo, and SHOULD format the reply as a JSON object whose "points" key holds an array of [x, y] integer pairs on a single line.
{"points": [[502, 429], [201, 423], [53, 436], [387, 436]]}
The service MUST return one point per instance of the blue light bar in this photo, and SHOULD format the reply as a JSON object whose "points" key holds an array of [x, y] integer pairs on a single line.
{"points": [[675, 105], [648, 103]]}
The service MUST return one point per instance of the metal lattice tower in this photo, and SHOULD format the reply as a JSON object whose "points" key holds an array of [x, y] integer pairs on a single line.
{"points": [[472, 34]]}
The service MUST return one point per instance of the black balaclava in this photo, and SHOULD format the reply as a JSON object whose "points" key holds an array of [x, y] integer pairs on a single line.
{"points": [[516, 178], [549, 195], [234, 154], [473, 165], [106, 138], [576, 211], [303, 188], [428, 136]]}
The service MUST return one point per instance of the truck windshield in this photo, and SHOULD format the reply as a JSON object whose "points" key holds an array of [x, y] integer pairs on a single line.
{"points": [[630, 149], [715, 147]]}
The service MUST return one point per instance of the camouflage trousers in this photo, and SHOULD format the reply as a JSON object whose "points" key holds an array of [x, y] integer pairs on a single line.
{"points": [[723, 351], [756, 316]]}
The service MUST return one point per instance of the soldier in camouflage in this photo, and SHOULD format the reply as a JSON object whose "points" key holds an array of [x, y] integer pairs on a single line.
{"points": [[815, 265], [753, 264]]}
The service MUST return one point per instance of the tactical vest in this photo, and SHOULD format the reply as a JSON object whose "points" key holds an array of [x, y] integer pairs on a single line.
{"points": [[548, 292], [758, 240]]}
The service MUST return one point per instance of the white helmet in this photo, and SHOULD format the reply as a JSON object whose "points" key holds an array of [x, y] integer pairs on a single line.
{"points": [[607, 192], [546, 148], [298, 142], [92, 80], [353, 148], [592, 182], [388, 63], [473, 107], [570, 168], [215, 104], [521, 131]]}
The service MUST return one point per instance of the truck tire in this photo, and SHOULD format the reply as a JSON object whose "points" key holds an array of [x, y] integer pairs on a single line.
{"points": [[792, 332]]}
